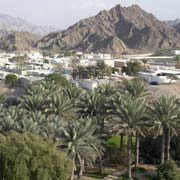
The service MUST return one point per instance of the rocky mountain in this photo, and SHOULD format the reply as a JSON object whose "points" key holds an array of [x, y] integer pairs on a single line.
{"points": [[17, 41], [173, 23], [177, 27], [118, 30], [9, 23]]}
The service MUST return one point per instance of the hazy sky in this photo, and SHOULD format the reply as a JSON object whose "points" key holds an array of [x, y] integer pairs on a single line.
{"points": [[62, 13]]}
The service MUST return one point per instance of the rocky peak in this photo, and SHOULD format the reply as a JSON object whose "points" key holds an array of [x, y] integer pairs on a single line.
{"points": [[117, 30], [17, 41]]}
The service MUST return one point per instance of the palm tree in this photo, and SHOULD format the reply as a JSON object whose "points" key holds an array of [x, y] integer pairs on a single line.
{"points": [[43, 88], [92, 71], [33, 121], [9, 119], [74, 93], [60, 105], [90, 104], [32, 103], [80, 72], [106, 89], [103, 69], [137, 89], [129, 115], [164, 114], [80, 142]]}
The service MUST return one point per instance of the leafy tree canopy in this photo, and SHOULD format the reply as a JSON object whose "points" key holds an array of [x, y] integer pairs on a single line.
{"points": [[11, 80], [58, 79], [27, 157], [168, 171], [132, 68]]}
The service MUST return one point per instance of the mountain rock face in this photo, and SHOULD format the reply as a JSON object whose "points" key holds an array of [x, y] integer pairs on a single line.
{"points": [[9, 23], [17, 41], [177, 27], [173, 23], [118, 30]]}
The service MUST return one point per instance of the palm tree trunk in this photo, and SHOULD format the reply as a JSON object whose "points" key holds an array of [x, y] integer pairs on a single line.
{"points": [[163, 147], [137, 150], [129, 157], [102, 126], [73, 168], [168, 143], [100, 165], [121, 142], [81, 170]]}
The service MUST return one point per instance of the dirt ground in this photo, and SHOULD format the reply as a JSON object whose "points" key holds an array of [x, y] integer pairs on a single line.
{"points": [[166, 89], [150, 171]]}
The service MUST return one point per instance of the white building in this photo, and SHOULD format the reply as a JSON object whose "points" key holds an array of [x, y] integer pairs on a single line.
{"points": [[160, 76], [35, 55], [88, 84], [175, 52]]}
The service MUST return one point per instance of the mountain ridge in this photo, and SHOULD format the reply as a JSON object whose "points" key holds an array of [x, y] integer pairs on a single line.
{"points": [[9, 23], [118, 30], [18, 41]]}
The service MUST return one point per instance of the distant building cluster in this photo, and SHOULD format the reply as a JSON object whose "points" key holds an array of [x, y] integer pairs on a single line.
{"points": [[34, 66]]}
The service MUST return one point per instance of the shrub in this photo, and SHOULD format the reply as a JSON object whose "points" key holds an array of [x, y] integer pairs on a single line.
{"points": [[113, 152], [132, 68], [167, 171], [11, 80], [149, 150], [175, 148], [46, 61], [58, 79], [27, 157]]}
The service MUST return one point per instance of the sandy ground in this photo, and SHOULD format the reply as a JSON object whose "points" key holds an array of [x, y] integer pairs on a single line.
{"points": [[166, 89]]}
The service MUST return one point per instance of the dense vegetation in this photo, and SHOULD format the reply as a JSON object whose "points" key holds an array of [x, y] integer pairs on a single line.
{"points": [[91, 71], [103, 126], [27, 157], [11, 80]]}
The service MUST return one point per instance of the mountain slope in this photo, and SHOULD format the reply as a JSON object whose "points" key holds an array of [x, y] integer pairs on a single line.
{"points": [[118, 30], [17, 41], [9, 23], [173, 23], [177, 27]]}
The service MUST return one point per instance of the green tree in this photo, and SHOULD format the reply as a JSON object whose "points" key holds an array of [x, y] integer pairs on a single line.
{"points": [[74, 93], [92, 71], [132, 68], [78, 139], [46, 61], [33, 122], [32, 103], [103, 69], [177, 59], [137, 89], [90, 104], [9, 119], [27, 157], [59, 104], [20, 61], [168, 171], [129, 115], [106, 89], [11, 80], [164, 114], [58, 79], [80, 72]]}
